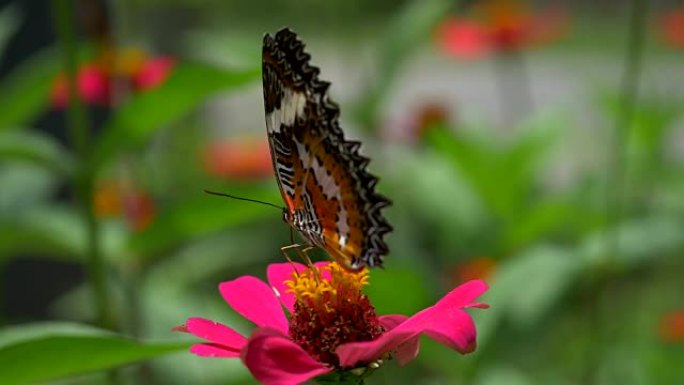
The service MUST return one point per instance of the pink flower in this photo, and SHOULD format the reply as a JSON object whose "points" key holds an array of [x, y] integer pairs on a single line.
{"points": [[93, 86], [94, 79], [153, 73], [332, 325]]}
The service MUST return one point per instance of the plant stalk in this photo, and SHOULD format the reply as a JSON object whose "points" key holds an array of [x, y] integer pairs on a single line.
{"points": [[514, 87], [79, 134], [616, 173], [605, 277]]}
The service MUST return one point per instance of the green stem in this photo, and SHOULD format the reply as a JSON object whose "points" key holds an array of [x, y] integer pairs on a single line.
{"points": [[84, 179], [605, 276], [515, 90], [616, 184]]}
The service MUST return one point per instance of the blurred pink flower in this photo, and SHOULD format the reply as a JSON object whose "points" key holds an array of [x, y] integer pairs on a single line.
{"points": [[93, 87], [242, 158], [94, 78], [500, 26], [153, 73], [671, 28], [332, 327]]}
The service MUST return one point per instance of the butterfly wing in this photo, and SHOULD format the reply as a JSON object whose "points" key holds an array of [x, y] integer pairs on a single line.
{"points": [[322, 177]]}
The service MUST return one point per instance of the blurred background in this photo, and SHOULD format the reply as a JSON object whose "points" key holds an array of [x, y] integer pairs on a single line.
{"points": [[537, 145]]}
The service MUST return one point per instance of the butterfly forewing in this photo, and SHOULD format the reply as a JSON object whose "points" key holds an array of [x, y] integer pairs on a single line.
{"points": [[329, 195]]}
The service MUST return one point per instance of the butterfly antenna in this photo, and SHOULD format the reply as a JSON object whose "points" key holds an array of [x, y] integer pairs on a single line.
{"points": [[242, 199]]}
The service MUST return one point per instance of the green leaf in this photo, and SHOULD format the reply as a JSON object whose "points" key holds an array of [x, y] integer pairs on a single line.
{"points": [[25, 91], [200, 216], [553, 269], [24, 186], [419, 189], [10, 19], [54, 231], [187, 87], [38, 149], [640, 240], [504, 175], [42, 352], [547, 217], [525, 287]]}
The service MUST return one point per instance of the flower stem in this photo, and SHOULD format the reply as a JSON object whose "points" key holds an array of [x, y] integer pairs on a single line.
{"points": [[605, 278], [616, 165], [515, 90], [83, 182]]}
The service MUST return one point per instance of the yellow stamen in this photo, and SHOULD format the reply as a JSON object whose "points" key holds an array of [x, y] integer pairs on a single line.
{"points": [[321, 286]]}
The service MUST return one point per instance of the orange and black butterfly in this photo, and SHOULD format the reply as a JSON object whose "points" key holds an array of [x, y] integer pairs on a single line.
{"points": [[329, 196]]}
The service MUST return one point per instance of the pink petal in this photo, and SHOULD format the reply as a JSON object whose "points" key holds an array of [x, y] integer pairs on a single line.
{"points": [[214, 351], [352, 353], [153, 73], [215, 332], [464, 295], [277, 274], [274, 359], [407, 351], [463, 38], [391, 321], [453, 328], [254, 300], [94, 85], [445, 321]]}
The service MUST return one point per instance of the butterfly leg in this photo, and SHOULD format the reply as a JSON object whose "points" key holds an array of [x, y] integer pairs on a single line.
{"points": [[305, 255], [295, 246]]}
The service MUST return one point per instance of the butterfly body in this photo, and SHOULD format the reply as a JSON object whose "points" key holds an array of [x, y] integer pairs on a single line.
{"points": [[328, 194]]}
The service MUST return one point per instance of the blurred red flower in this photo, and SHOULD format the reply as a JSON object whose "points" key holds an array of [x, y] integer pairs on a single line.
{"points": [[671, 28], [94, 79], [475, 268], [430, 115], [500, 26], [240, 158], [672, 326], [113, 200], [423, 117]]}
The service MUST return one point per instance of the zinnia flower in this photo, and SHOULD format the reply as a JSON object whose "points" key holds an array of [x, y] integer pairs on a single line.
{"points": [[332, 325]]}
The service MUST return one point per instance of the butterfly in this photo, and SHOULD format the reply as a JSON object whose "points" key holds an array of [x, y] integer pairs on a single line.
{"points": [[329, 196]]}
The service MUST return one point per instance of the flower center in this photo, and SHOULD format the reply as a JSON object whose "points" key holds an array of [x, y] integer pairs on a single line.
{"points": [[330, 310]]}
